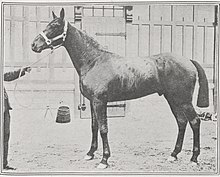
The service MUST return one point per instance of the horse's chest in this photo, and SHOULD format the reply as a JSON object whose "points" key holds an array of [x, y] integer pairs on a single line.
{"points": [[95, 83]]}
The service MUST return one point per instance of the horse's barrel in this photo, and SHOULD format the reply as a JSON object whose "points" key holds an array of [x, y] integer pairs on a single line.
{"points": [[63, 114]]}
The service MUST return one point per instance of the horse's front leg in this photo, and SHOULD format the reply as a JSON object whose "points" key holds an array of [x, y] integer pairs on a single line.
{"points": [[100, 111], [94, 144]]}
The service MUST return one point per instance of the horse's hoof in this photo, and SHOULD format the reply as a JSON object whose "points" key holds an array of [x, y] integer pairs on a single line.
{"points": [[171, 159], [194, 163], [102, 166], [88, 157]]}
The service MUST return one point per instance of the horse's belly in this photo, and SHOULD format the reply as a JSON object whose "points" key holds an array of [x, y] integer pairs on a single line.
{"points": [[127, 91]]}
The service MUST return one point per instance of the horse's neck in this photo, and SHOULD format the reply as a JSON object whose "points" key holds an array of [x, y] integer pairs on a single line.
{"points": [[83, 51]]}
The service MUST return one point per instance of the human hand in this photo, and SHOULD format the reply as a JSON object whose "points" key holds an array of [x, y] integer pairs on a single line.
{"points": [[27, 69]]}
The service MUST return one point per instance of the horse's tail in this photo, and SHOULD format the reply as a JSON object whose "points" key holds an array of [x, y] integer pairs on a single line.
{"points": [[203, 95]]}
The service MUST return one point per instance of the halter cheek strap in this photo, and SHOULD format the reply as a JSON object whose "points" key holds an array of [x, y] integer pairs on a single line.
{"points": [[48, 41], [63, 35]]}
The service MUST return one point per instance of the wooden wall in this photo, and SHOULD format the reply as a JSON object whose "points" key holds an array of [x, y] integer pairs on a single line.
{"points": [[185, 29], [22, 24]]}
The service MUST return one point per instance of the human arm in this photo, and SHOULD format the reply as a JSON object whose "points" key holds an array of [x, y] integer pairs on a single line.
{"points": [[10, 76]]}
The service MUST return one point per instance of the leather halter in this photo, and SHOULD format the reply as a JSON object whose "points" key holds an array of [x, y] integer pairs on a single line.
{"points": [[49, 41]]}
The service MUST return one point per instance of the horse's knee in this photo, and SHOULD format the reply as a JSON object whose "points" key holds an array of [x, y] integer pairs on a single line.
{"points": [[182, 122]]}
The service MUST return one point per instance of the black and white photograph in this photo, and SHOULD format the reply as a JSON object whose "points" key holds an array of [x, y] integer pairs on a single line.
{"points": [[109, 87]]}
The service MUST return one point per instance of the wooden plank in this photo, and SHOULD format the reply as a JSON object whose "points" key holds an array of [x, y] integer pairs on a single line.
{"points": [[188, 42], [161, 39], [34, 81], [12, 34], [25, 37], [180, 23], [167, 38], [38, 26], [131, 40], [6, 41], [173, 33], [144, 40], [138, 40], [205, 45], [216, 60], [195, 32], [162, 12], [184, 41], [157, 40], [184, 13], [25, 34], [210, 45], [151, 31], [122, 34]]}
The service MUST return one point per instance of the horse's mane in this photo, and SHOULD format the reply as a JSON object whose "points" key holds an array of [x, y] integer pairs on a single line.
{"points": [[91, 41]]}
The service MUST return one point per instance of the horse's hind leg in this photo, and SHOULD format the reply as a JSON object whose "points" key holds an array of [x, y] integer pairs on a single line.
{"points": [[94, 144], [181, 122], [194, 121], [183, 113]]}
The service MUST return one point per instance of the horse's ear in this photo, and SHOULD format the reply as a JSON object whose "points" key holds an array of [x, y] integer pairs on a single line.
{"points": [[54, 16], [62, 13]]}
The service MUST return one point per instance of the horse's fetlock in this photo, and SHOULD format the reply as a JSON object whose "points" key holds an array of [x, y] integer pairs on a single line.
{"points": [[90, 155], [196, 151], [177, 150], [104, 161], [194, 159], [174, 154], [94, 147], [106, 154]]}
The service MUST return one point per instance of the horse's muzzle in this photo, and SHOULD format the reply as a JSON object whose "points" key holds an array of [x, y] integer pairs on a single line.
{"points": [[35, 48]]}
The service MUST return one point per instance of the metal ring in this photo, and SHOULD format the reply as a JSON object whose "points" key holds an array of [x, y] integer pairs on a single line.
{"points": [[48, 42]]}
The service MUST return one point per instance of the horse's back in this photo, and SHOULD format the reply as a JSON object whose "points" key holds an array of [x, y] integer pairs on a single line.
{"points": [[122, 78]]}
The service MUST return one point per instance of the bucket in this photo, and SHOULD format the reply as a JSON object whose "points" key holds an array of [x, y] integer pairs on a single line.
{"points": [[63, 114]]}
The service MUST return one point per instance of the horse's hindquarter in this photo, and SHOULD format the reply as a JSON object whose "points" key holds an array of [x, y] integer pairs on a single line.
{"points": [[177, 76]]}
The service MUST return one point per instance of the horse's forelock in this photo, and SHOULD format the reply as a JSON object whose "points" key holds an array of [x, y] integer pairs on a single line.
{"points": [[56, 21]]}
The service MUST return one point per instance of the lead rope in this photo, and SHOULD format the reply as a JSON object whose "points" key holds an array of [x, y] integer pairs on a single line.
{"points": [[21, 69], [48, 41]]}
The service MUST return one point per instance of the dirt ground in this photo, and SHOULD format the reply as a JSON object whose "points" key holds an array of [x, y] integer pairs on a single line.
{"points": [[141, 142]]}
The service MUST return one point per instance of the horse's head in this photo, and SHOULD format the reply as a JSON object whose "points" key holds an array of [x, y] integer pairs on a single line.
{"points": [[54, 34]]}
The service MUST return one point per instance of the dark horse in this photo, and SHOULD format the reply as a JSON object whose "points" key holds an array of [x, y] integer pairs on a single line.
{"points": [[107, 77]]}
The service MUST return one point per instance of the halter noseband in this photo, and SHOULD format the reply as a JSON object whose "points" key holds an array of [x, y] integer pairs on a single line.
{"points": [[63, 35]]}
